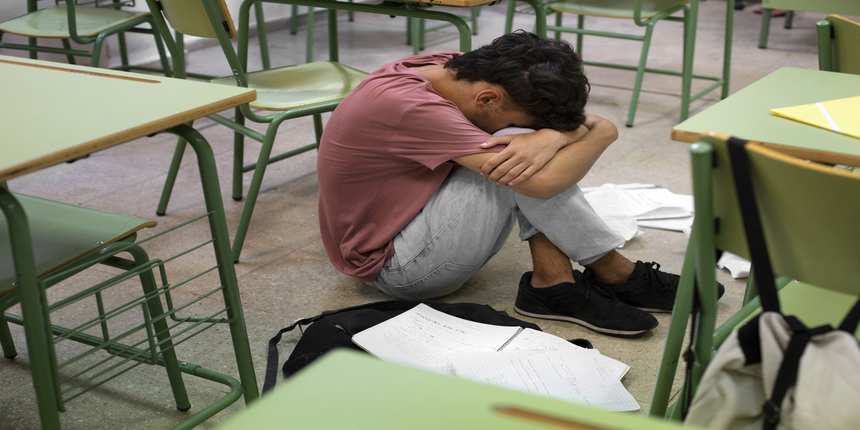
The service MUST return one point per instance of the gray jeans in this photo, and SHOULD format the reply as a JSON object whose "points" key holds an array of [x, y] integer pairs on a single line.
{"points": [[469, 219]]}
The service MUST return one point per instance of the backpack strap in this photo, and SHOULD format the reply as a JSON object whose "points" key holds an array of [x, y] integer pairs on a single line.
{"points": [[752, 226], [272, 357], [786, 377]]}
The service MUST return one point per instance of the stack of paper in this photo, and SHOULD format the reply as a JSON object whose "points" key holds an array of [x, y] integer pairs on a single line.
{"points": [[641, 205], [511, 357]]}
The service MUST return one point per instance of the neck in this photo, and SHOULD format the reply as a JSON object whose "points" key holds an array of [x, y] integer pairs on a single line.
{"points": [[442, 80]]}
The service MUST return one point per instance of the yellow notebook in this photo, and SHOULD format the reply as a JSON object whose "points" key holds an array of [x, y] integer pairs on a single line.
{"points": [[841, 115]]}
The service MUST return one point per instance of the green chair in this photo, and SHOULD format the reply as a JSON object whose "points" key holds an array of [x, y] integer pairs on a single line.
{"points": [[415, 29], [512, 9], [289, 92], [809, 217], [108, 328], [85, 24], [765, 25], [838, 42], [421, 31], [644, 13]]}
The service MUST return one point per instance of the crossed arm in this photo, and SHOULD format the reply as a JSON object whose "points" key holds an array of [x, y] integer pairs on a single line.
{"points": [[545, 162]]}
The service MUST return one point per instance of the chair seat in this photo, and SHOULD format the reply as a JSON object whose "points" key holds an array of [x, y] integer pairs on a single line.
{"points": [[61, 234], [289, 87], [53, 22], [812, 305], [615, 8]]}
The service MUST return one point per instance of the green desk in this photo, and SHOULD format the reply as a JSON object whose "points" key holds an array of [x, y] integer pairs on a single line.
{"points": [[351, 390], [746, 114], [52, 113], [411, 9], [842, 7]]}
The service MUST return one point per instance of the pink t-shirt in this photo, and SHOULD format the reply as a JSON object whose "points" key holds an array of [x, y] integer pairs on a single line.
{"points": [[384, 153]]}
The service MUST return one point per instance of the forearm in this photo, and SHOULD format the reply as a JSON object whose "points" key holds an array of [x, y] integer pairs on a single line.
{"points": [[571, 163]]}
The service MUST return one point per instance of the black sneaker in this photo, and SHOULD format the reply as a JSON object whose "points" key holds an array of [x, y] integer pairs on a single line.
{"points": [[593, 307], [648, 288]]}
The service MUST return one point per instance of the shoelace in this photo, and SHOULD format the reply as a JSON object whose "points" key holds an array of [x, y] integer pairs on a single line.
{"points": [[653, 270]]}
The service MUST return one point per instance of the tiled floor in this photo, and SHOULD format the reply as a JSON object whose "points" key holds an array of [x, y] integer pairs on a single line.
{"points": [[284, 273]]}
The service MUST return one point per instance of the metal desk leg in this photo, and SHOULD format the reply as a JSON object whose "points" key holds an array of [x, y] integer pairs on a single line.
{"points": [[540, 16], [407, 9], [223, 256], [689, 53], [727, 47]]}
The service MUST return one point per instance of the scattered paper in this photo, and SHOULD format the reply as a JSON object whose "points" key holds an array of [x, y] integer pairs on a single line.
{"points": [[642, 205], [570, 375], [513, 357], [738, 266]]}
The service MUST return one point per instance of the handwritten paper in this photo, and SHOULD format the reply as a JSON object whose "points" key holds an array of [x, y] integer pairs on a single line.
{"points": [[513, 357], [561, 374], [423, 337]]}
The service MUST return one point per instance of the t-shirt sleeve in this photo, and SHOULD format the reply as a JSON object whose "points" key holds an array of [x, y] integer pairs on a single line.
{"points": [[435, 132]]}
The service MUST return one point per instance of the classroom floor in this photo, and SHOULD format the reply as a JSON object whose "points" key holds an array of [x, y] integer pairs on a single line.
{"points": [[284, 273]]}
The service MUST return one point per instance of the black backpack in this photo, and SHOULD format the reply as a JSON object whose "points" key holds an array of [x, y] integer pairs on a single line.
{"points": [[334, 329]]}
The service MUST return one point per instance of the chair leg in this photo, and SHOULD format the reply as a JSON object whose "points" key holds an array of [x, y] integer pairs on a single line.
{"points": [[294, 19], [6, 342], [640, 74], [318, 129], [765, 28], [408, 31], [422, 33], [559, 20], [254, 188], [97, 50], [309, 53], [238, 156], [171, 178], [789, 17], [687, 66], [474, 11], [509, 16], [415, 30], [123, 51], [66, 45], [580, 24], [675, 337], [261, 34], [168, 353]]}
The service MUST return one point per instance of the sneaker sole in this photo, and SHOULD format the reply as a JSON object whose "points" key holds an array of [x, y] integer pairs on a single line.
{"points": [[580, 322], [655, 310]]}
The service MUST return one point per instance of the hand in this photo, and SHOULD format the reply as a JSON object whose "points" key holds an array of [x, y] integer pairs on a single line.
{"points": [[525, 154]]}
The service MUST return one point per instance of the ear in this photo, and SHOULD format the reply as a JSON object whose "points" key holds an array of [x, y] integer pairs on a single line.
{"points": [[488, 96]]}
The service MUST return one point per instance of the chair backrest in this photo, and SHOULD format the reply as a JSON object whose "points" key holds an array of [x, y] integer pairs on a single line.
{"points": [[201, 18], [809, 214], [838, 42], [190, 17]]}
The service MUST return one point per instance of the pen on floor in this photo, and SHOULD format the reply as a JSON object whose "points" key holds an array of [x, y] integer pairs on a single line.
{"points": [[545, 419]]}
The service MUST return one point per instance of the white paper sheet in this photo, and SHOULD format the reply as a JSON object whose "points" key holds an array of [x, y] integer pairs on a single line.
{"points": [[738, 266], [423, 337], [561, 374], [533, 340]]}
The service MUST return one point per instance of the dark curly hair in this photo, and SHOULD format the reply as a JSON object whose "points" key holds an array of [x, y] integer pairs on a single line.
{"points": [[542, 76]]}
